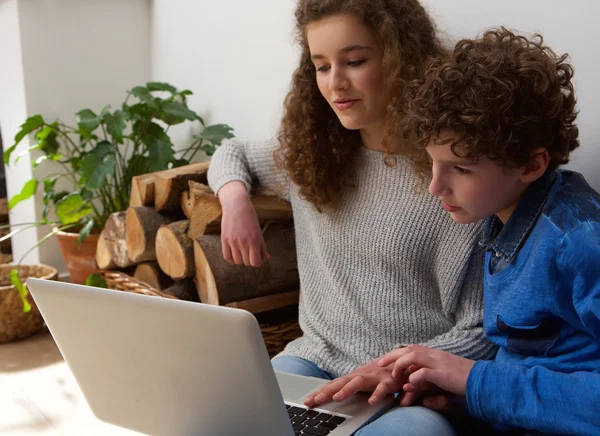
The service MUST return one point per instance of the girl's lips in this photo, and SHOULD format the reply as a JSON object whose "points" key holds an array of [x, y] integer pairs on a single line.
{"points": [[344, 104], [450, 208]]}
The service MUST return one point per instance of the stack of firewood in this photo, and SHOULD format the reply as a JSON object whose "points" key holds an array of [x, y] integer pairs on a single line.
{"points": [[5, 246], [170, 238]]}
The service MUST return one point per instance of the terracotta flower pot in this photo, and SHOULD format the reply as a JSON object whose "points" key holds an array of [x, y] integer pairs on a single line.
{"points": [[14, 323], [80, 259]]}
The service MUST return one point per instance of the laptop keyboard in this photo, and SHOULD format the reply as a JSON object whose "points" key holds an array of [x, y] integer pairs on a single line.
{"points": [[310, 422]]}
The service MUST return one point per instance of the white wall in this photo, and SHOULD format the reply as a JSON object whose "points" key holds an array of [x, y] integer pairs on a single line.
{"points": [[238, 56], [13, 112], [71, 55]]}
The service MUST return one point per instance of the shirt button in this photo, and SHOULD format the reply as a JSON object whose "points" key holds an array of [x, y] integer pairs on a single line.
{"points": [[497, 254]]}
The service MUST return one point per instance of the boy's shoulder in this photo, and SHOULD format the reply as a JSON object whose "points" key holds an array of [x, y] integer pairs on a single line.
{"points": [[571, 202]]}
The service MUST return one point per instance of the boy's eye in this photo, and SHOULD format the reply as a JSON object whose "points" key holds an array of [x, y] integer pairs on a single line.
{"points": [[357, 62], [461, 171]]}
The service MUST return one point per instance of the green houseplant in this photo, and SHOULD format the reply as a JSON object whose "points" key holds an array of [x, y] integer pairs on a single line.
{"points": [[93, 162]]}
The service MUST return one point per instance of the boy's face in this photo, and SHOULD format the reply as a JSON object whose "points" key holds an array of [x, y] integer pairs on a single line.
{"points": [[472, 190]]}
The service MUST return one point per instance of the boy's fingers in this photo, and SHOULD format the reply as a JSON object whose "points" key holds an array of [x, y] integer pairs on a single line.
{"points": [[436, 402], [390, 357], [409, 399], [414, 358], [425, 378]]}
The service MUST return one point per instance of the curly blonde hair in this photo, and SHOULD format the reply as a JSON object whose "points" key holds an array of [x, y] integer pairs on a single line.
{"points": [[315, 150], [501, 96]]}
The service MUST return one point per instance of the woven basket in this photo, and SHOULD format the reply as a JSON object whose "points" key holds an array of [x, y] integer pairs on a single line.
{"points": [[278, 327], [14, 323]]}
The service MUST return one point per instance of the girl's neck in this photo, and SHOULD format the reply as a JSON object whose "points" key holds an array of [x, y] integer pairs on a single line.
{"points": [[372, 138]]}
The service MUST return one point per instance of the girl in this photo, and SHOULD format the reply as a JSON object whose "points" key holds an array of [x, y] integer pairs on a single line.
{"points": [[380, 265]]}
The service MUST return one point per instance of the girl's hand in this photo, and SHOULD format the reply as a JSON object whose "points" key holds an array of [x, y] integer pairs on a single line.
{"points": [[241, 239]]}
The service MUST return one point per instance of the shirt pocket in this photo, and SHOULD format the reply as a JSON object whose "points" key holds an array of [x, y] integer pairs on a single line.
{"points": [[534, 339]]}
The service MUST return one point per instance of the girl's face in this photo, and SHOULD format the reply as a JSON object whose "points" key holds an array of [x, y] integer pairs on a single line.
{"points": [[348, 59]]}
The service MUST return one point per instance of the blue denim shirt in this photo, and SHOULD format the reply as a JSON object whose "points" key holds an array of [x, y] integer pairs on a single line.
{"points": [[542, 309]]}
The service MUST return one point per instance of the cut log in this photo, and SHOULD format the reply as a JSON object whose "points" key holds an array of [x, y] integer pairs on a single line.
{"points": [[135, 198], [265, 304], [206, 210], [169, 184], [175, 250], [187, 203], [145, 188], [115, 237], [142, 224], [184, 290], [103, 257], [149, 272], [219, 282]]}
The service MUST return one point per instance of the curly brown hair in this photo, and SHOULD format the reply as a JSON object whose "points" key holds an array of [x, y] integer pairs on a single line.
{"points": [[501, 96], [315, 150]]}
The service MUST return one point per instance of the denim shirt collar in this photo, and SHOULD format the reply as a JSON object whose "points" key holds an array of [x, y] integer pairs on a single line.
{"points": [[507, 240]]}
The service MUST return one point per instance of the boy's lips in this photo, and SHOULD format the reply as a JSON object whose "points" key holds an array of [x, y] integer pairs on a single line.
{"points": [[449, 207]]}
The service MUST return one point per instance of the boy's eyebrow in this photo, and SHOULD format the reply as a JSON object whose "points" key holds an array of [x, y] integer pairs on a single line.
{"points": [[461, 162], [345, 50]]}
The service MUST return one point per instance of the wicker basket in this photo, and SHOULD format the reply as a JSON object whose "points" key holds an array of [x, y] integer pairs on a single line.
{"points": [[278, 327], [14, 323]]}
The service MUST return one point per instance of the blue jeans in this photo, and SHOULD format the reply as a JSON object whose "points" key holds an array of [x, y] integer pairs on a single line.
{"points": [[398, 421]]}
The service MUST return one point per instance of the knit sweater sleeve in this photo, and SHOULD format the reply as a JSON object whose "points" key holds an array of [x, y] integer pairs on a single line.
{"points": [[467, 337], [250, 162]]}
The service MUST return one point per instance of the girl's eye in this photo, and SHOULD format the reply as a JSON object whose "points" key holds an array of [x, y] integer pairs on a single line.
{"points": [[461, 171], [323, 68], [357, 63]]}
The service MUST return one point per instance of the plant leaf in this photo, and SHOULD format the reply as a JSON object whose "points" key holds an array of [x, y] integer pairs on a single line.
{"points": [[159, 146], [178, 110], [142, 93], [115, 124], [103, 148], [87, 121], [28, 190], [21, 289], [85, 231], [27, 127], [161, 86], [72, 208], [47, 139], [95, 168], [216, 133], [96, 280], [180, 163]]}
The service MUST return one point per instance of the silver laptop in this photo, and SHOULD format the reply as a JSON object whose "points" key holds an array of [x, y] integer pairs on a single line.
{"points": [[176, 368]]}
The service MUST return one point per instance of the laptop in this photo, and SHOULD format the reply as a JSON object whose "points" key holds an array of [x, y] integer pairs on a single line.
{"points": [[167, 367]]}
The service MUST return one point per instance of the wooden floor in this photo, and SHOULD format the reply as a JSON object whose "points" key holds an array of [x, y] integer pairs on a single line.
{"points": [[39, 396]]}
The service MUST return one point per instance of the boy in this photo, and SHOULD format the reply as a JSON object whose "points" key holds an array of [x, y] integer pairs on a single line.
{"points": [[496, 120]]}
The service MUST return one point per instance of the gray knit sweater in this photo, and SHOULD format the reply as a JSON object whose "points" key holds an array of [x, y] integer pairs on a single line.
{"points": [[388, 268]]}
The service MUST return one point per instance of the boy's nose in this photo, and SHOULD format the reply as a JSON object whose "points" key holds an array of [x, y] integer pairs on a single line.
{"points": [[437, 187]]}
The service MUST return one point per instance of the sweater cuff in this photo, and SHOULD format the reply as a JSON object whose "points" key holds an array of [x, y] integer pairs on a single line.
{"points": [[226, 178]]}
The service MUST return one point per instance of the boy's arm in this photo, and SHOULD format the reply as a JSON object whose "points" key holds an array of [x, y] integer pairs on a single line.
{"points": [[467, 338], [537, 397], [250, 162]]}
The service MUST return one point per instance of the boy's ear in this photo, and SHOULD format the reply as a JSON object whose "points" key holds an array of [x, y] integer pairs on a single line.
{"points": [[540, 158]]}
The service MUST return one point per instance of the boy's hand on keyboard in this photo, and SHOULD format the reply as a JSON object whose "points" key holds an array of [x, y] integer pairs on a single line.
{"points": [[368, 378], [428, 368]]}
